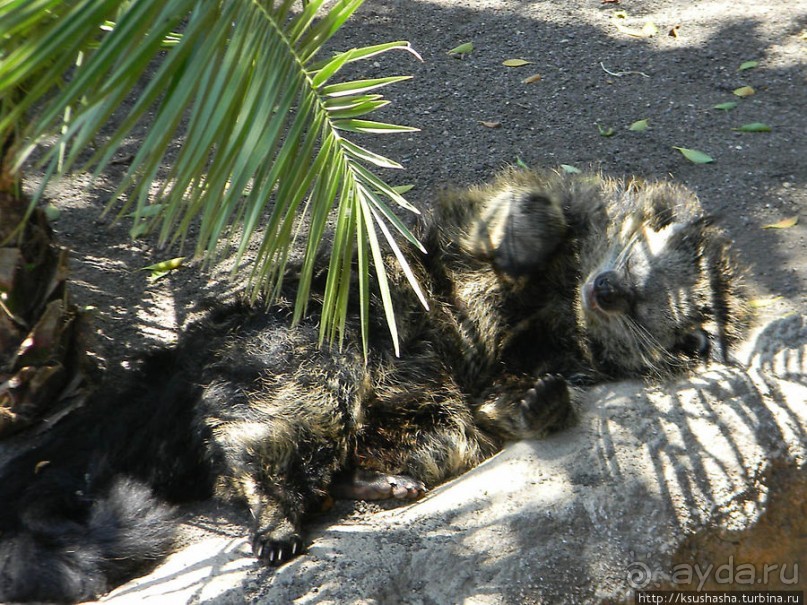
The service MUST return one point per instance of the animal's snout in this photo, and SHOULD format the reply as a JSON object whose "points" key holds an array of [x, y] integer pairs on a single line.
{"points": [[607, 294]]}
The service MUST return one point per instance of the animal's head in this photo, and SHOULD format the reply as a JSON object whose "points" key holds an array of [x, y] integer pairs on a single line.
{"points": [[660, 289]]}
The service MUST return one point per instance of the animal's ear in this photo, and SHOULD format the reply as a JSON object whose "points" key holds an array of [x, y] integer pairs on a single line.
{"points": [[728, 312]]}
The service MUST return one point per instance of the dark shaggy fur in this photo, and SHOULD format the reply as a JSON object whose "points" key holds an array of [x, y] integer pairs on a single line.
{"points": [[538, 284]]}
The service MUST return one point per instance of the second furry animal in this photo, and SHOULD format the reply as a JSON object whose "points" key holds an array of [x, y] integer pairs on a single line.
{"points": [[539, 284]]}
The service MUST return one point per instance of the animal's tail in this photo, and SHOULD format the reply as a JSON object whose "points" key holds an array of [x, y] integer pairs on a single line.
{"points": [[79, 546], [82, 508]]}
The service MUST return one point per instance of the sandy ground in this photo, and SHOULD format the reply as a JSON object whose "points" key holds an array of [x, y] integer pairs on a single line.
{"points": [[585, 76]]}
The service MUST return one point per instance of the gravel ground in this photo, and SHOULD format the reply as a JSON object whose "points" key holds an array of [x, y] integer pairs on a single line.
{"points": [[477, 115]]}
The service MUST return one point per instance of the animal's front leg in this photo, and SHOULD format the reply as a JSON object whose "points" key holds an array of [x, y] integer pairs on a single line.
{"points": [[519, 408], [274, 471], [276, 537]]}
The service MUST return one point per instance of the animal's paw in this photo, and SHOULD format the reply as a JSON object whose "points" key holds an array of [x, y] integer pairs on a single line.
{"points": [[547, 404], [274, 547], [361, 484], [397, 486]]}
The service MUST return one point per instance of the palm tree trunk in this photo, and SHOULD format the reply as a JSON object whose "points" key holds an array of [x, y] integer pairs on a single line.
{"points": [[41, 358]]}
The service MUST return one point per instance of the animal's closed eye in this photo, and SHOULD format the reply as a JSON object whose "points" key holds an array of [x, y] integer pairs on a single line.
{"points": [[696, 344]]}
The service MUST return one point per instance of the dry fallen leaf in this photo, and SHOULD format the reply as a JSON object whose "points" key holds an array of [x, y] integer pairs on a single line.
{"points": [[487, 124], [532, 79], [461, 50], [648, 30], [606, 131], [515, 63], [162, 268], [754, 127], [744, 91], [785, 223], [695, 155], [639, 126]]}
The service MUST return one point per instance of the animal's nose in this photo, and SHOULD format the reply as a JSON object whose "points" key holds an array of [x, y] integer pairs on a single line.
{"points": [[608, 291]]}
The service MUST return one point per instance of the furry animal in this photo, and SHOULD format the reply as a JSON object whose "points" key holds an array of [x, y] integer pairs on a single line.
{"points": [[539, 284]]}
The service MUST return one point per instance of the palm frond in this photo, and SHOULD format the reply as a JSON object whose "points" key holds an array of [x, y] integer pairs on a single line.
{"points": [[262, 122]]}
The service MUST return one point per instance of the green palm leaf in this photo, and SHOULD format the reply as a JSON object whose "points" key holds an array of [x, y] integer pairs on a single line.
{"points": [[261, 121]]}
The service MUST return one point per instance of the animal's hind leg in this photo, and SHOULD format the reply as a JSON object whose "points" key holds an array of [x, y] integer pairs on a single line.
{"points": [[418, 424], [364, 484], [516, 223]]}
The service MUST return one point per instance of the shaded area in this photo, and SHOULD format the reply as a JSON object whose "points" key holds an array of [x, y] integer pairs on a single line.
{"points": [[757, 179]]}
